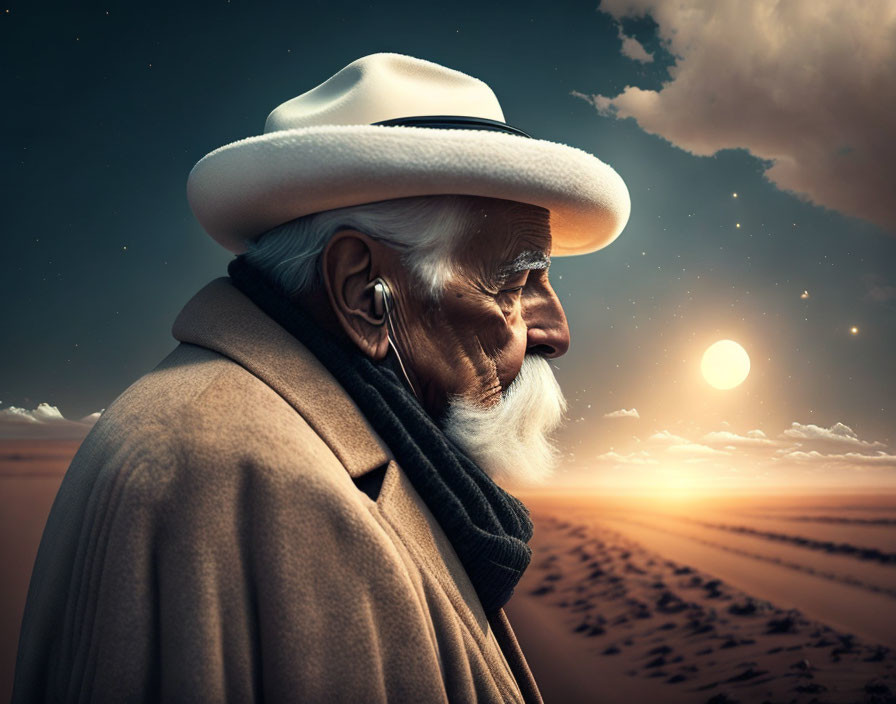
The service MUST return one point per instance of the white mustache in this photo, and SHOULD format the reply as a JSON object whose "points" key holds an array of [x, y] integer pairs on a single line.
{"points": [[509, 440]]}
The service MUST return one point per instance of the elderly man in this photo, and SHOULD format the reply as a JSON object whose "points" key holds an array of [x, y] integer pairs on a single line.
{"points": [[303, 501]]}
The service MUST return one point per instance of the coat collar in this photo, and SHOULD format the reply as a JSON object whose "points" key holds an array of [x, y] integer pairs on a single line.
{"points": [[223, 319]]}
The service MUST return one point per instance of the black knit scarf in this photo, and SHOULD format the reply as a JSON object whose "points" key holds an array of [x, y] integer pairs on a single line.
{"points": [[488, 528]]}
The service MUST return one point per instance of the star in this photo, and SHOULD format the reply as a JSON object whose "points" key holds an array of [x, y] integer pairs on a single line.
{"points": [[854, 330], [737, 225], [734, 195]]}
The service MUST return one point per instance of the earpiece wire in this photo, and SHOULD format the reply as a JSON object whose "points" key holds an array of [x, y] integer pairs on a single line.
{"points": [[390, 333]]}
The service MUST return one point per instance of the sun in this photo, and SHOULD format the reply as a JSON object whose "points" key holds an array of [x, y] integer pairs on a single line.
{"points": [[725, 364]]}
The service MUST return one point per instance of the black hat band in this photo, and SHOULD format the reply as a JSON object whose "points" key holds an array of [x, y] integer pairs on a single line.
{"points": [[456, 122]]}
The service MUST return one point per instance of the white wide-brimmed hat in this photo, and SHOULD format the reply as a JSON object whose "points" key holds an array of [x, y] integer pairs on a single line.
{"points": [[393, 126]]}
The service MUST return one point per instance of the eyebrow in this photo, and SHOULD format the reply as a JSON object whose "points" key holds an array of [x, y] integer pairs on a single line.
{"points": [[530, 259]]}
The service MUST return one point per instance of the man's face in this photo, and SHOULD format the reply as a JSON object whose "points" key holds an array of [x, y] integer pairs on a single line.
{"points": [[498, 307]]}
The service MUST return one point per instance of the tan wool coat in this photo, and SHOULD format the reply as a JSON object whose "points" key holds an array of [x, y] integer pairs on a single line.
{"points": [[210, 543]]}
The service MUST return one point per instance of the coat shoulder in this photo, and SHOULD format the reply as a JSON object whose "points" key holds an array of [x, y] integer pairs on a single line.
{"points": [[200, 412], [205, 522]]}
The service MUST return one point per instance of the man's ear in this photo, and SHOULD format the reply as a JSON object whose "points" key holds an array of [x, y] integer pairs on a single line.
{"points": [[347, 264]]}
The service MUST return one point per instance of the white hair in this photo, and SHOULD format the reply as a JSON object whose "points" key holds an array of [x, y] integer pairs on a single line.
{"points": [[427, 228], [510, 440]]}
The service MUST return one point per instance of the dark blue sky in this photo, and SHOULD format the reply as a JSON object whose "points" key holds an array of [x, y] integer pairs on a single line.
{"points": [[108, 107]]}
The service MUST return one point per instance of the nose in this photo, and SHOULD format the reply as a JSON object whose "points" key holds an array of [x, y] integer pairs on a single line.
{"points": [[548, 331]]}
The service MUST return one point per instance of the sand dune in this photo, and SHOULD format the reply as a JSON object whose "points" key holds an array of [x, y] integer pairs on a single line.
{"points": [[859, 532], [857, 551], [793, 556], [841, 519], [613, 610]]}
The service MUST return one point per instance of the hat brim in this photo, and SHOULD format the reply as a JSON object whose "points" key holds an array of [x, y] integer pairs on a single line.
{"points": [[243, 189]]}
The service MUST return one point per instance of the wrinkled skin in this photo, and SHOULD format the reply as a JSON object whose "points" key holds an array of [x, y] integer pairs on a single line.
{"points": [[471, 342]]}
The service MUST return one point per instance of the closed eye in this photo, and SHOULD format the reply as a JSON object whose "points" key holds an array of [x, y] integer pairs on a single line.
{"points": [[515, 283]]}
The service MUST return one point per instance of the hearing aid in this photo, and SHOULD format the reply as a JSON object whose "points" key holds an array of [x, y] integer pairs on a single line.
{"points": [[382, 299], [382, 309]]}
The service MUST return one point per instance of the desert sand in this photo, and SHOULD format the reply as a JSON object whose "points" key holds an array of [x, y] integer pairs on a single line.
{"points": [[754, 601], [30, 473]]}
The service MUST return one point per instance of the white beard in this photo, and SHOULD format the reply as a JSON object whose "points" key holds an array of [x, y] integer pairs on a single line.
{"points": [[509, 440]]}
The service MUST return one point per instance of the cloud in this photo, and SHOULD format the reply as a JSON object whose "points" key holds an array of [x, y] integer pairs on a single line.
{"points": [[802, 450], [665, 437], [44, 413], [623, 413], [642, 457], [694, 450], [633, 49], [855, 459], [682, 447], [837, 434], [753, 438], [43, 422], [807, 85]]}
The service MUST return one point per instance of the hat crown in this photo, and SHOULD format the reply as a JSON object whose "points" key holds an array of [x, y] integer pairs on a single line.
{"points": [[386, 86]]}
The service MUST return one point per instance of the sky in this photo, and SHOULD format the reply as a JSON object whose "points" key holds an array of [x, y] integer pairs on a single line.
{"points": [[757, 141]]}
